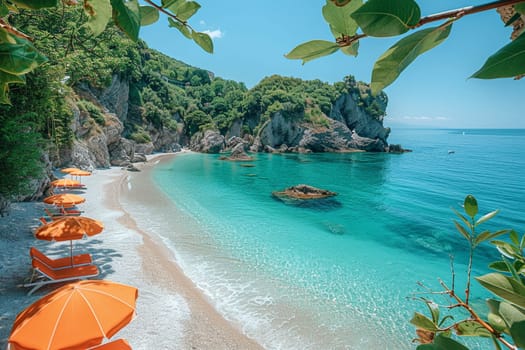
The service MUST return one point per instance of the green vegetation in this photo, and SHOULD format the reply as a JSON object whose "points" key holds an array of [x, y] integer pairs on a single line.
{"points": [[506, 315], [93, 111], [380, 18], [90, 19]]}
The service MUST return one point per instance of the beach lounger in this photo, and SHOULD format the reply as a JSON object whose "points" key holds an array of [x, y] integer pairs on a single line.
{"points": [[46, 275], [119, 344], [60, 263], [53, 215]]}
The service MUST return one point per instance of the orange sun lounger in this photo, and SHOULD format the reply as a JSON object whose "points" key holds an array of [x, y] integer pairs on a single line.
{"points": [[46, 275], [60, 263], [119, 344]]}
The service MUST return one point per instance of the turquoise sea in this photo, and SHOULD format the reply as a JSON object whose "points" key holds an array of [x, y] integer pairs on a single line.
{"points": [[342, 273]]}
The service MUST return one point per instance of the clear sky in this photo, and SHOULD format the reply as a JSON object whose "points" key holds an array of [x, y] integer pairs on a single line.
{"points": [[251, 38]]}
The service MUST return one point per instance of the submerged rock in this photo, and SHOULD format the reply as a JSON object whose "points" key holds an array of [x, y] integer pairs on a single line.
{"points": [[303, 192]]}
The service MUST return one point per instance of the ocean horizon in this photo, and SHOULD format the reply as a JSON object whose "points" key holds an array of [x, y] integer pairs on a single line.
{"points": [[340, 273]]}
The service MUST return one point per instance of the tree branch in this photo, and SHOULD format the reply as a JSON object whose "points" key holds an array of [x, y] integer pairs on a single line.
{"points": [[169, 14], [456, 14]]}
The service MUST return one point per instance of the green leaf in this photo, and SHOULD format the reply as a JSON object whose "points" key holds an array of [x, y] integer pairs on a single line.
{"points": [[514, 238], [6, 37], [126, 15], [471, 329], [312, 50], [203, 40], [487, 235], [351, 50], [172, 5], [462, 230], [517, 331], [187, 9], [19, 58], [339, 17], [505, 249], [487, 217], [470, 205], [442, 342], [504, 287], [99, 12], [520, 8], [434, 310], [421, 321], [495, 318], [4, 10], [387, 18], [181, 27], [35, 4], [5, 79], [464, 219], [508, 62], [390, 65], [148, 15], [499, 266]]}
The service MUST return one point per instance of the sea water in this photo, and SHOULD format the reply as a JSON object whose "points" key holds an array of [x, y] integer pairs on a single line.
{"points": [[344, 272]]}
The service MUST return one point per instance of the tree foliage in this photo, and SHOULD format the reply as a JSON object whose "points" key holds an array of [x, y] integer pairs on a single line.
{"points": [[353, 20], [18, 56]]}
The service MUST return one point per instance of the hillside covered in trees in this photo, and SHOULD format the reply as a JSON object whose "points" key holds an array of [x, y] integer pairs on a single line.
{"points": [[108, 101]]}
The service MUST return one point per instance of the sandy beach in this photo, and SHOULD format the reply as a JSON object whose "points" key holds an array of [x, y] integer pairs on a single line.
{"points": [[172, 313]]}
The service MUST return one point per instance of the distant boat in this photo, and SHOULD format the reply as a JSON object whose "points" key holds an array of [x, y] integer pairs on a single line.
{"points": [[451, 151]]}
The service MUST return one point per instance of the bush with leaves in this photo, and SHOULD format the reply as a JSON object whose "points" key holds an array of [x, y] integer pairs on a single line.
{"points": [[505, 322]]}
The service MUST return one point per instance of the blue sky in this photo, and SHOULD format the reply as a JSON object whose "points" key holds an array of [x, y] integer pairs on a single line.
{"points": [[251, 38]]}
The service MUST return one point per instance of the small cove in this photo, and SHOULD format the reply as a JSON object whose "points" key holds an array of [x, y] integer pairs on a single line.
{"points": [[336, 275]]}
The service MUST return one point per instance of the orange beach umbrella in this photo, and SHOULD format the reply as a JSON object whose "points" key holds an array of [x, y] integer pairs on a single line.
{"points": [[68, 170], [80, 173], [69, 228], [76, 316], [64, 199], [65, 183]]}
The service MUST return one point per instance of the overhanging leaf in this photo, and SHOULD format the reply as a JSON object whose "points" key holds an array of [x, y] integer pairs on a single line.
{"points": [[462, 230], [463, 218], [312, 50], [387, 18], [388, 67], [5, 80], [504, 287], [148, 15], [338, 17], [187, 9], [471, 329], [495, 318], [4, 10], [442, 342], [517, 331], [203, 40], [181, 27], [508, 62], [99, 12], [19, 58], [421, 321], [172, 5], [6, 37], [351, 50], [35, 4], [126, 15]]}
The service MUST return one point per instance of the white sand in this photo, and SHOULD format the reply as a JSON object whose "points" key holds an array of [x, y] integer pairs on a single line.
{"points": [[171, 312]]}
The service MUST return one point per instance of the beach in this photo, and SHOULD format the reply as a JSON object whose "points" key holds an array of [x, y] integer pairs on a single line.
{"points": [[172, 313]]}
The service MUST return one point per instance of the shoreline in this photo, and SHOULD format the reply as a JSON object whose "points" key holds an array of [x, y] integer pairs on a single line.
{"points": [[171, 310]]}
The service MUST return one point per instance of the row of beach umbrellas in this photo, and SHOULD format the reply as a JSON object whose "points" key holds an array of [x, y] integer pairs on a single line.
{"points": [[78, 315]]}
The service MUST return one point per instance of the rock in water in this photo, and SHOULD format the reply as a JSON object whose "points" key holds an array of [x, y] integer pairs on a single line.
{"points": [[303, 192]]}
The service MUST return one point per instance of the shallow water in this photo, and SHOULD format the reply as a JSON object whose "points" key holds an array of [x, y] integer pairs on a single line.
{"points": [[337, 274]]}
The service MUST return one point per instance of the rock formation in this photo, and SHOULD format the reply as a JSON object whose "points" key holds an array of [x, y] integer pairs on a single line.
{"points": [[303, 192]]}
